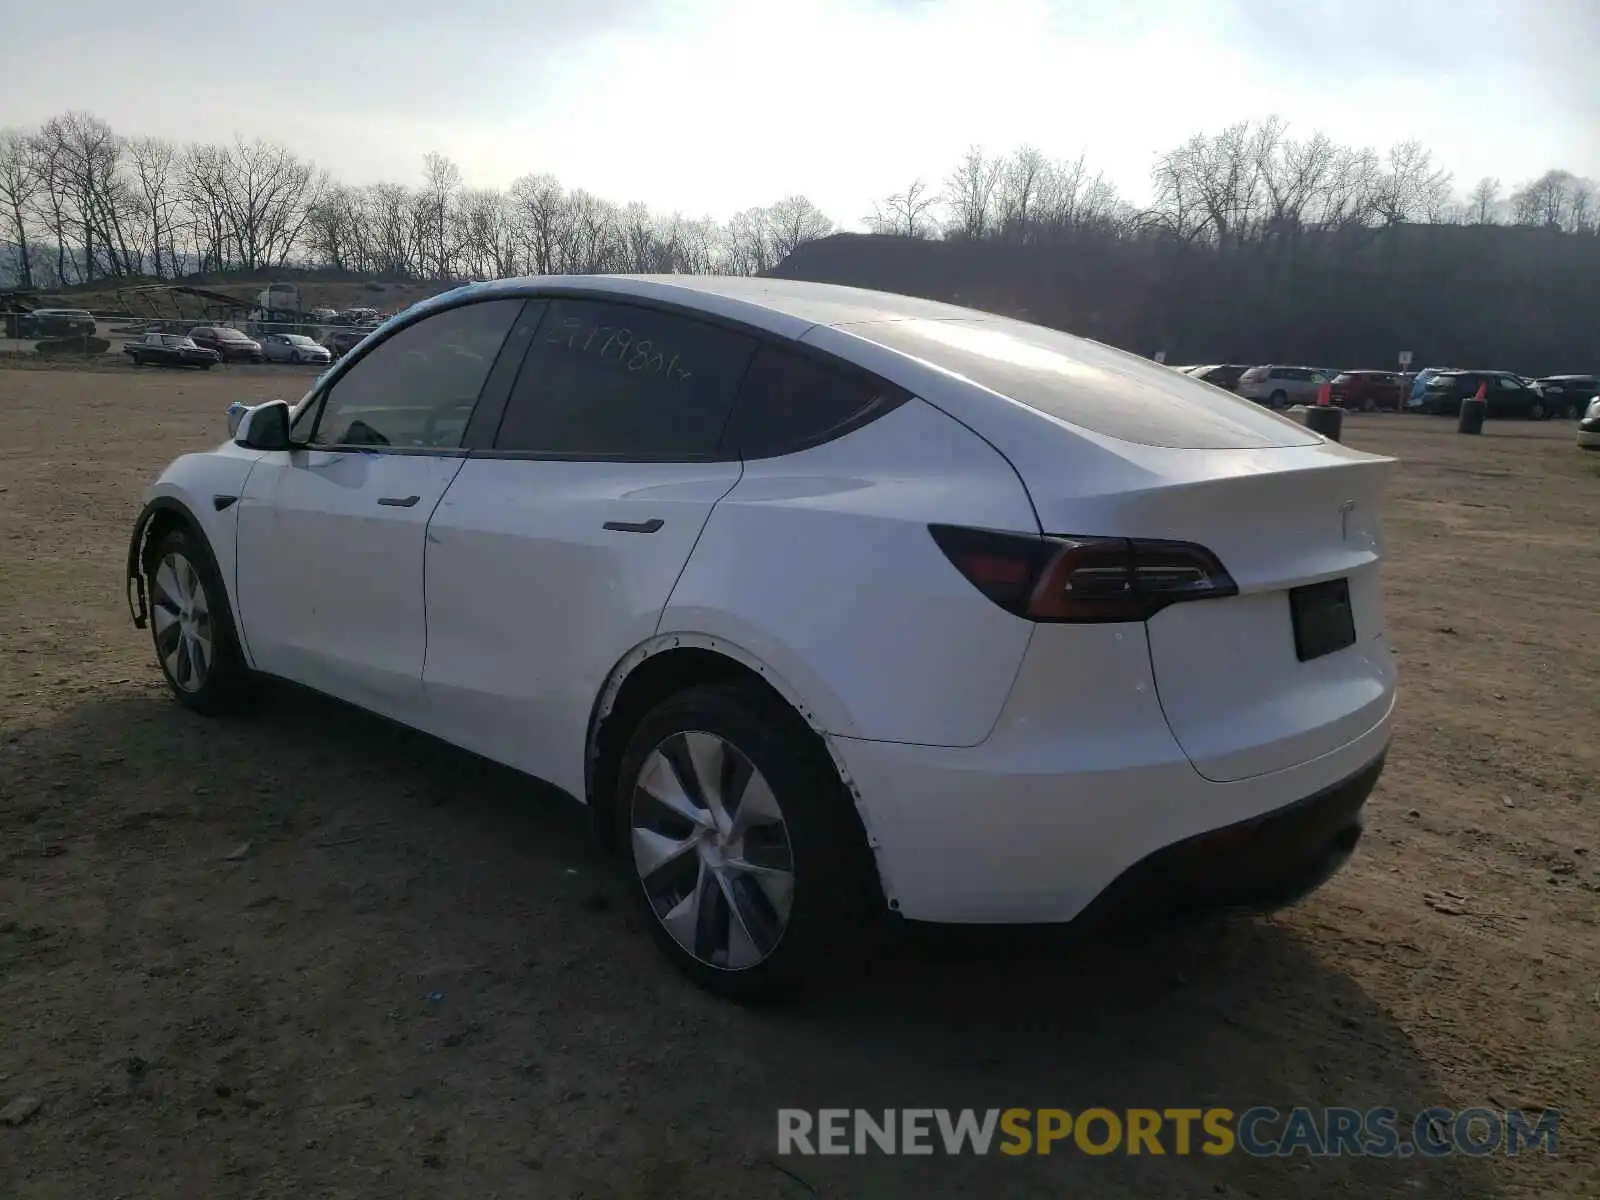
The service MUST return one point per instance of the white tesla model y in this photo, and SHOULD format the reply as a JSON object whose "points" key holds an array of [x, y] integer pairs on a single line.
{"points": [[831, 603]]}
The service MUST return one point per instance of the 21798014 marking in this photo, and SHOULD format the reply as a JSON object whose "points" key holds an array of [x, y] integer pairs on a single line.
{"points": [[617, 346]]}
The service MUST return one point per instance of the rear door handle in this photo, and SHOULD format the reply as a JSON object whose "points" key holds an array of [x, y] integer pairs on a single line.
{"points": [[650, 526], [398, 501]]}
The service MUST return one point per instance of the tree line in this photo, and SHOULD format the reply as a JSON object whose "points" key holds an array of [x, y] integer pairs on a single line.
{"points": [[80, 201]]}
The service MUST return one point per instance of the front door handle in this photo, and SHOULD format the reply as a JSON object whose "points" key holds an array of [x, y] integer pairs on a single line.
{"points": [[650, 526], [398, 501]]}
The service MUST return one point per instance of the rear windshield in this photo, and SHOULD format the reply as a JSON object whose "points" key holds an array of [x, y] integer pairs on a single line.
{"points": [[1086, 384], [230, 335]]}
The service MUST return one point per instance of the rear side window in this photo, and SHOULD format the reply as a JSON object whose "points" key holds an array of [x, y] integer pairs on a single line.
{"points": [[417, 388], [615, 381], [790, 401], [1253, 375]]}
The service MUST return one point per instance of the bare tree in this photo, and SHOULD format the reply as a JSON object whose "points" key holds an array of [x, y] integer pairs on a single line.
{"points": [[749, 245], [441, 181], [1556, 200], [543, 220], [970, 193], [1483, 201], [20, 186], [907, 214], [155, 167], [792, 222]]}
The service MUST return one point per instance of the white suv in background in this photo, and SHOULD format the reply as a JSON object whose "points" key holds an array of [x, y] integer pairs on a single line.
{"points": [[1279, 387], [830, 603]]}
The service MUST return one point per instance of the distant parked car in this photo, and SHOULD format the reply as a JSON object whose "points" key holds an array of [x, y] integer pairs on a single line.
{"points": [[1420, 381], [1279, 387], [170, 350], [1508, 395], [1589, 427], [59, 322], [1367, 390], [1568, 396], [294, 348], [342, 341], [1225, 376], [229, 343]]}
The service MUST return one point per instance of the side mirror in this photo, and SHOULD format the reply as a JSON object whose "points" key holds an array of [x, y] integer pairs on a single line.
{"points": [[264, 427]]}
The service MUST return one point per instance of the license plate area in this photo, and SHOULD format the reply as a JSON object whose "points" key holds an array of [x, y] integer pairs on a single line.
{"points": [[1322, 618]]}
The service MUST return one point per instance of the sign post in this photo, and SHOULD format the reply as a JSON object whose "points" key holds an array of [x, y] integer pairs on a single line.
{"points": [[1405, 359]]}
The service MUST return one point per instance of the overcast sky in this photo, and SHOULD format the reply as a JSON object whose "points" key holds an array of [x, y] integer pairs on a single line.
{"points": [[709, 106]]}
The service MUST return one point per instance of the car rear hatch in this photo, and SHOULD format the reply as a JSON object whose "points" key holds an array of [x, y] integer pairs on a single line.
{"points": [[1293, 663]]}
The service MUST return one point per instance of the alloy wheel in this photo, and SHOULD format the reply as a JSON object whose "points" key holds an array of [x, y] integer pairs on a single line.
{"points": [[181, 616], [711, 850]]}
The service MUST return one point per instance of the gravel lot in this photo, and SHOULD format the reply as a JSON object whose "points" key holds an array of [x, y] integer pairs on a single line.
{"points": [[301, 952]]}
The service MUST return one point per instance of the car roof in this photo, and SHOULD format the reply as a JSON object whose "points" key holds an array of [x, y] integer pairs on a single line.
{"points": [[786, 306]]}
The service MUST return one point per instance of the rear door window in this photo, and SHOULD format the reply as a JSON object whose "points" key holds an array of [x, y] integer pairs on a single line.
{"points": [[621, 382], [790, 400]]}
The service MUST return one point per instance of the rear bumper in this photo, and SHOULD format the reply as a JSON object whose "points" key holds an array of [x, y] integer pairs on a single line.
{"points": [[1103, 811], [1259, 864]]}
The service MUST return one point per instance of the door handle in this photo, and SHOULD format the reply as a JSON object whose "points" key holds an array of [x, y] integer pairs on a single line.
{"points": [[650, 526], [398, 501]]}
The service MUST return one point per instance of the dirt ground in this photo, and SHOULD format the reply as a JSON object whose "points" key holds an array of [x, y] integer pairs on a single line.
{"points": [[300, 952]]}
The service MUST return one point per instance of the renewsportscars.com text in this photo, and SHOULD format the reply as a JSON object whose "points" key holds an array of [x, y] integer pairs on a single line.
{"points": [[1258, 1132]]}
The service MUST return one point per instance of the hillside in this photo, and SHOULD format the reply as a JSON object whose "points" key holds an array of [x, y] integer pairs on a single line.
{"points": [[1510, 298], [317, 290]]}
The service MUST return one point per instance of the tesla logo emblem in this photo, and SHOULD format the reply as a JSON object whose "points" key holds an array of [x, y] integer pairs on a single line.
{"points": [[1345, 509]]}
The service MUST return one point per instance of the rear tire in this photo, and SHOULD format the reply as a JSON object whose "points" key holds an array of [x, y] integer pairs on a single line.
{"points": [[191, 625], [1279, 399], [743, 851], [1369, 405], [1536, 413]]}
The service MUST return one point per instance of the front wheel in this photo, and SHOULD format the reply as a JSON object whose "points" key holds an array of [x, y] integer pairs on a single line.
{"points": [[1536, 413], [745, 854], [191, 625]]}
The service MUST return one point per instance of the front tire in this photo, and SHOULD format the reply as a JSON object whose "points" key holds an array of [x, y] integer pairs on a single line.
{"points": [[191, 625], [745, 854], [1536, 413]]}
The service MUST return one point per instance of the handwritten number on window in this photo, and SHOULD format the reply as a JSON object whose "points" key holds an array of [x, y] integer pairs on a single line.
{"points": [[619, 346]]}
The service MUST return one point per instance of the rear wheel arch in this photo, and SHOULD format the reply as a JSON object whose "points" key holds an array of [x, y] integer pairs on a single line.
{"points": [[667, 665]]}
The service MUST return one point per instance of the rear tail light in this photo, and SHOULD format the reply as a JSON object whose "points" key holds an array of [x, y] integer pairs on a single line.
{"points": [[1083, 579]]}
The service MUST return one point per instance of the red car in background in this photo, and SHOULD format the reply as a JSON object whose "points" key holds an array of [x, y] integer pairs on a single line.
{"points": [[1368, 391], [228, 342]]}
